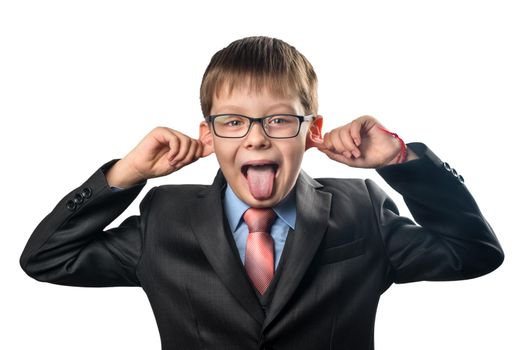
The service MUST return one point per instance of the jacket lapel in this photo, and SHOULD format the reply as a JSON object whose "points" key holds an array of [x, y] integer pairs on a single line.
{"points": [[312, 215], [210, 233]]}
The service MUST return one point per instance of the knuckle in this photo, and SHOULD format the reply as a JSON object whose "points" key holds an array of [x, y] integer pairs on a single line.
{"points": [[160, 129]]}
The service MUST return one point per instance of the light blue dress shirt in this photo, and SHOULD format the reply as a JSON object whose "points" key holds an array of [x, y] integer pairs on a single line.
{"points": [[286, 218]]}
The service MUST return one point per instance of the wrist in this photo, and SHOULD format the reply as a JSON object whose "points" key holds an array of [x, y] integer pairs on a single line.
{"points": [[122, 175], [411, 155], [403, 153]]}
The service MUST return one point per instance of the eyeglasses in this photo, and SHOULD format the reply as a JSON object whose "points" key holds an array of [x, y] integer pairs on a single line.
{"points": [[275, 126]]}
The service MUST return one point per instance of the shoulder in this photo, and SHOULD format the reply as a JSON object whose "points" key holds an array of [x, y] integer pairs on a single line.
{"points": [[344, 185], [347, 190], [172, 195], [360, 192], [351, 187], [182, 191]]}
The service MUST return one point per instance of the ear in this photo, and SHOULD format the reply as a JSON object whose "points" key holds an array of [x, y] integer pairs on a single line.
{"points": [[205, 136], [314, 135]]}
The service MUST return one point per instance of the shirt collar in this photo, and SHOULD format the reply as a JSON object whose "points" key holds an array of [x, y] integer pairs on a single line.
{"points": [[235, 208]]}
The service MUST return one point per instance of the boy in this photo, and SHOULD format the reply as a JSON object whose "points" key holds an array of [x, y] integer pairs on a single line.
{"points": [[217, 276]]}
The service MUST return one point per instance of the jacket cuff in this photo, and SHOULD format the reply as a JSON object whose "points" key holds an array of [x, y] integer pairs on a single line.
{"points": [[104, 169], [428, 168]]}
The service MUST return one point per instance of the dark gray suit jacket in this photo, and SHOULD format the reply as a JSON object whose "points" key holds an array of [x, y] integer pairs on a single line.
{"points": [[348, 247]]}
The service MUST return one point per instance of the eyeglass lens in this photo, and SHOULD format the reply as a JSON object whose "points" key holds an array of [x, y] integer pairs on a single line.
{"points": [[280, 126]]}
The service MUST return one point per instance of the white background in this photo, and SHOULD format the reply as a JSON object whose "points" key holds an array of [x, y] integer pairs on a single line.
{"points": [[82, 82]]}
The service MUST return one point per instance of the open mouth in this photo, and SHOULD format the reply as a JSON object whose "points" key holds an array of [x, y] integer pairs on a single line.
{"points": [[260, 178], [259, 167]]}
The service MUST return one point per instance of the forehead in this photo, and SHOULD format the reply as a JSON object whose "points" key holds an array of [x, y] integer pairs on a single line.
{"points": [[247, 97]]}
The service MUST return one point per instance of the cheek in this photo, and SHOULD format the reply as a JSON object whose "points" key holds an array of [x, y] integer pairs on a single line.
{"points": [[224, 153], [218, 154], [293, 156]]}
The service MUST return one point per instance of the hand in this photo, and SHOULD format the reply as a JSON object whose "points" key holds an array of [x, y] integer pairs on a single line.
{"points": [[361, 144], [160, 153]]}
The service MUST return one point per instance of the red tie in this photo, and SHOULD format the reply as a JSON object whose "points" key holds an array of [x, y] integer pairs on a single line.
{"points": [[260, 253]]}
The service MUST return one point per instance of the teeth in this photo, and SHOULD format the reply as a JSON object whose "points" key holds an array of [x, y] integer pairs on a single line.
{"points": [[247, 166]]}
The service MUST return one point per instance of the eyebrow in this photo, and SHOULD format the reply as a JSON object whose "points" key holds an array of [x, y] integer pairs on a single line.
{"points": [[228, 107], [234, 108], [281, 104]]}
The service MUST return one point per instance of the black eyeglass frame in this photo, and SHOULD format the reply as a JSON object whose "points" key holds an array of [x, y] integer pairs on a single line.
{"points": [[301, 118]]}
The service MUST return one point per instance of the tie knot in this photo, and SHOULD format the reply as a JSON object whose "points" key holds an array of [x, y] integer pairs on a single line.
{"points": [[259, 219]]}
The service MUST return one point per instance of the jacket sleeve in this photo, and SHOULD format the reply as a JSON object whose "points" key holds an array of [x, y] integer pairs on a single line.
{"points": [[69, 246], [452, 240]]}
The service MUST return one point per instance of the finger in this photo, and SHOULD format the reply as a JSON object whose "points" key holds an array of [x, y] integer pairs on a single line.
{"points": [[184, 146], [337, 141], [174, 145], [321, 146], [327, 142], [191, 155], [356, 163], [355, 132], [348, 142], [338, 157], [199, 149], [334, 143], [162, 140]]}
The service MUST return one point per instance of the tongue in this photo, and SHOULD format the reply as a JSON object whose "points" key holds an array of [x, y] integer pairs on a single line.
{"points": [[260, 181]]}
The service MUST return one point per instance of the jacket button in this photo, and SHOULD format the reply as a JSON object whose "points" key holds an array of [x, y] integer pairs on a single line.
{"points": [[454, 172], [70, 205], [86, 192], [446, 166], [461, 179], [78, 199]]}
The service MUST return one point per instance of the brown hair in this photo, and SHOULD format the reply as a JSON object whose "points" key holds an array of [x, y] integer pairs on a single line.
{"points": [[261, 62]]}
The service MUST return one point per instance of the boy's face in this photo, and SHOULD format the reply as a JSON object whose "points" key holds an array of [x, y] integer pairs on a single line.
{"points": [[260, 170]]}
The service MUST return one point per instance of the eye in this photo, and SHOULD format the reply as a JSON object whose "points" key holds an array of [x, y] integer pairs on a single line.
{"points": [[233, 122], [280, 120]]}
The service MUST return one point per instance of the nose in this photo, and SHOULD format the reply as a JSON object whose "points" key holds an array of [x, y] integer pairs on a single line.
{"points": [[256, 137]]}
